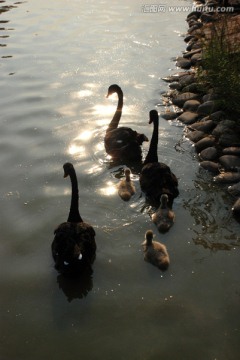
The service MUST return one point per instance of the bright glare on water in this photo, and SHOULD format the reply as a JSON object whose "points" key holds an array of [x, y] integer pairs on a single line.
{"points": [[58, 59]]}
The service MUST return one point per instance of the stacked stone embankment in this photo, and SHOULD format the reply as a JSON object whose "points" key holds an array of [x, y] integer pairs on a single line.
{"points": [[215, 135]]}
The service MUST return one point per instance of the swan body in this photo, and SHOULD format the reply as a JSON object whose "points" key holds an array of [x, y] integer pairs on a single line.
{"points": [[156, 178], [126, 188], [73, 247], [164, 217], [155, 252], [122, 143]]}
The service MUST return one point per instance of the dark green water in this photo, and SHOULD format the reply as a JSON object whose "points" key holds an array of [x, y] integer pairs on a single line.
{"points": [[57, 60]]}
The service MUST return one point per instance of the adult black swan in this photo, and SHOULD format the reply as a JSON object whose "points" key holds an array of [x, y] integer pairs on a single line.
{"points": [[122, 143], [74, 246], [156, 178]]}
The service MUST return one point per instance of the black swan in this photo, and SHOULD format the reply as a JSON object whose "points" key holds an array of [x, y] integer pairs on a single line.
{"points": [[122, 143], [126, 188], [156, 178], [155, 252], [164, 217], [74, 246]]}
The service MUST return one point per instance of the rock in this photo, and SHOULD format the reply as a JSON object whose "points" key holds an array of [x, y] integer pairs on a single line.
{"points": [[205, 125], [180, 99], [196, 45], [168, 79], [171, 115], [193, 21], [189, 54], [174, 77], [206, 18], [206, 97], [230, 139], [181, 74], [190, 44], [234, 189], [233, 2], [217, 115], [175, 85], [196, 58], [194, 87], [195, 13], [183, 63], [195, 136], [236, 209], [230, 162], [210, 166], [208, 107], [227, 177], [188, 38], [193, 18], [232, 150], [204, 143], [209, 153], [223, 127], [191, 105], [195, 29], [186, 80], [188, 117]]}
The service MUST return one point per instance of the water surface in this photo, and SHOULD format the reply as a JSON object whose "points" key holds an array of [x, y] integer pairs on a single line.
{"points": [[57, 60]]}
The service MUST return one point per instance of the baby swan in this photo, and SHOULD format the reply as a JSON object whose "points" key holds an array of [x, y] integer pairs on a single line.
{"points": [[125, 187], [155, 252], [164, 217]]}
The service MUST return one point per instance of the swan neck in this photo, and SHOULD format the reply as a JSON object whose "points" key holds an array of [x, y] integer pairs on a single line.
{"points": [[74, 215], [149, 242], [118, 113], [152, 155]]}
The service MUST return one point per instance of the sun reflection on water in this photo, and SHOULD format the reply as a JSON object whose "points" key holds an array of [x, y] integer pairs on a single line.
{"points": [[81, 94], [109, 189], [95, 169], [100, 109], [84, 136], [75, 149]]}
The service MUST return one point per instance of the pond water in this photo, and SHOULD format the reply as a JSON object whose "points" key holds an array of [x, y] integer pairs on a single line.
{"points": [[58, 58]]}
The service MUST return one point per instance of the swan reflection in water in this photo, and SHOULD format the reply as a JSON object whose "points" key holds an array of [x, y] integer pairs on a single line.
{"points": [[75, 287]]}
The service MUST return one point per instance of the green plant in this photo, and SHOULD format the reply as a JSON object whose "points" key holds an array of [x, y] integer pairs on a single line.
{"points": [[220, 69]]}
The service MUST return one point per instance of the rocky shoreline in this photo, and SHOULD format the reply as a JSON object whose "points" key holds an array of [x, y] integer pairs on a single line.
{"points": [[214, 133]]}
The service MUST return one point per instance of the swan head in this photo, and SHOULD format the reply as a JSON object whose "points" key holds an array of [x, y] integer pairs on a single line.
{"points": [[153, 116], [141, 138], [113, 89], [67, 167], [149, 237]]}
